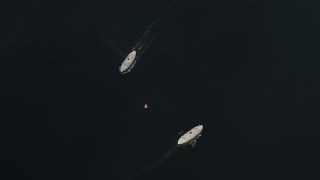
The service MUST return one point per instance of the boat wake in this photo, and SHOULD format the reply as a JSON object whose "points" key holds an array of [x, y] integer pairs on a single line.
{"points": [[155, 164]]}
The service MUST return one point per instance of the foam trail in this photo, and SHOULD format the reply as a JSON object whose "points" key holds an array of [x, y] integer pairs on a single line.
{"points": [[154, 164], [141, 43]]}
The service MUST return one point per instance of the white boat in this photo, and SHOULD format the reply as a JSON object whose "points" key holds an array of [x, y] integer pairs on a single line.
{"points": [[128, 63], [191, 136]]}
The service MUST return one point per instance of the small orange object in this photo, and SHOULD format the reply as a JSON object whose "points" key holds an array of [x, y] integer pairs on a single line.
{"points": [[145, 106]]}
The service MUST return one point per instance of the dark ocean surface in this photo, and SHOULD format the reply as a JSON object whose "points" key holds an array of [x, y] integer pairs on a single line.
{"points": [[247, 70]]}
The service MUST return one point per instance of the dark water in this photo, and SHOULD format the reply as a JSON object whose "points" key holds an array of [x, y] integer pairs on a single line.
{"points": [[247, 70]]}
